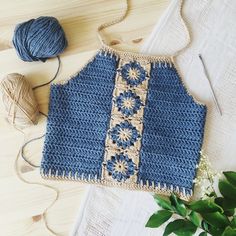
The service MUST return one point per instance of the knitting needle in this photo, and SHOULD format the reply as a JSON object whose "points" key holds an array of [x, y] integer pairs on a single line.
{"points": [[210, 84]]}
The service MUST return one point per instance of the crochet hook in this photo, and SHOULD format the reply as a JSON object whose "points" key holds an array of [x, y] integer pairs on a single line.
{"points": [[210, 84]]}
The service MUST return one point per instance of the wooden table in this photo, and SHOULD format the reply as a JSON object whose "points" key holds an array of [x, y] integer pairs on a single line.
{"points": [[22, 205]]}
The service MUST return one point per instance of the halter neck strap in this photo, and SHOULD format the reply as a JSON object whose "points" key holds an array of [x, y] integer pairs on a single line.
{"points": [[124, 15], [186, 28], [113, 22]]}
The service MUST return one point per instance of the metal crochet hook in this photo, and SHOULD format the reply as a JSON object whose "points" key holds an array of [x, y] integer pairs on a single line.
{"points": [[212, 90]]}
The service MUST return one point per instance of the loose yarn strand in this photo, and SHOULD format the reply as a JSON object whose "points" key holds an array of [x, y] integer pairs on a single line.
{"points": [[21, 152], [54, 77], [23, 147], [18, 173], [44, 214], [37, 138]]}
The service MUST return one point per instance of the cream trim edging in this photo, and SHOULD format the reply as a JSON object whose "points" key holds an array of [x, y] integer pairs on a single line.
{"points": [[149, 187]]}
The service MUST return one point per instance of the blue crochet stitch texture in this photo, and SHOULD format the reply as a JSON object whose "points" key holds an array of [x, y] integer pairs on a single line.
{"points": [[173, 131], [79, 119]]}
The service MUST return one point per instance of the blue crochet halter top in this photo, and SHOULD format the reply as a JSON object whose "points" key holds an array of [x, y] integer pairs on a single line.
{"points": [[125, 120]]}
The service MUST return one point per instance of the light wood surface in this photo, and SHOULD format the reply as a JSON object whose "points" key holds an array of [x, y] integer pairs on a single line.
{"points": [[22, 205]]}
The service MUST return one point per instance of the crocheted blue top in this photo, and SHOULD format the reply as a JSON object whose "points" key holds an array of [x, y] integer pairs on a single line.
{"points": [[125, 120]]}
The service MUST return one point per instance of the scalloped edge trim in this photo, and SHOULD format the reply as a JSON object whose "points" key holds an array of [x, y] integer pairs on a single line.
{"points": [[148, 187]]}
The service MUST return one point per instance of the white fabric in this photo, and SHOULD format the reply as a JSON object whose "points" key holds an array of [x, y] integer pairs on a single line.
{"points": [[212, 23]]}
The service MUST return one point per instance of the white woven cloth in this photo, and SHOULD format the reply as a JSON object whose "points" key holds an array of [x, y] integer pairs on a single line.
{"points": [[212, 24]]}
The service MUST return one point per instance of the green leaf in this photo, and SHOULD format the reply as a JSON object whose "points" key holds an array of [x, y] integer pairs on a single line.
{"points": [[203, 234], [231, 177], [180, 227], [227, 189], [158, 218], [225, 203], [215, 231], [229, 203], [216, 219], [179, 205], [195, 218], [233, 222], [163, 202], [229, 212], [229, 232], [205, 206]]}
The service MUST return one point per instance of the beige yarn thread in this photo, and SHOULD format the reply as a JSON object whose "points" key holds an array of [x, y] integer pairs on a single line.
{"points": [[19, 101]]}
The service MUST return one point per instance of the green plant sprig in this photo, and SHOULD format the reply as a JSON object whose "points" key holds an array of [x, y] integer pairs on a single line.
{"points": [[213, 215]]}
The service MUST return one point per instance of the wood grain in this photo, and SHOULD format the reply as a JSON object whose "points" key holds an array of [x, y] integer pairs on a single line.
{"points": [[21, 204]]}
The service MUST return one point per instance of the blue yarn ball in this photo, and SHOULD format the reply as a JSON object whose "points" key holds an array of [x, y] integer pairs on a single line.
{"points": [[39, 39]]}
